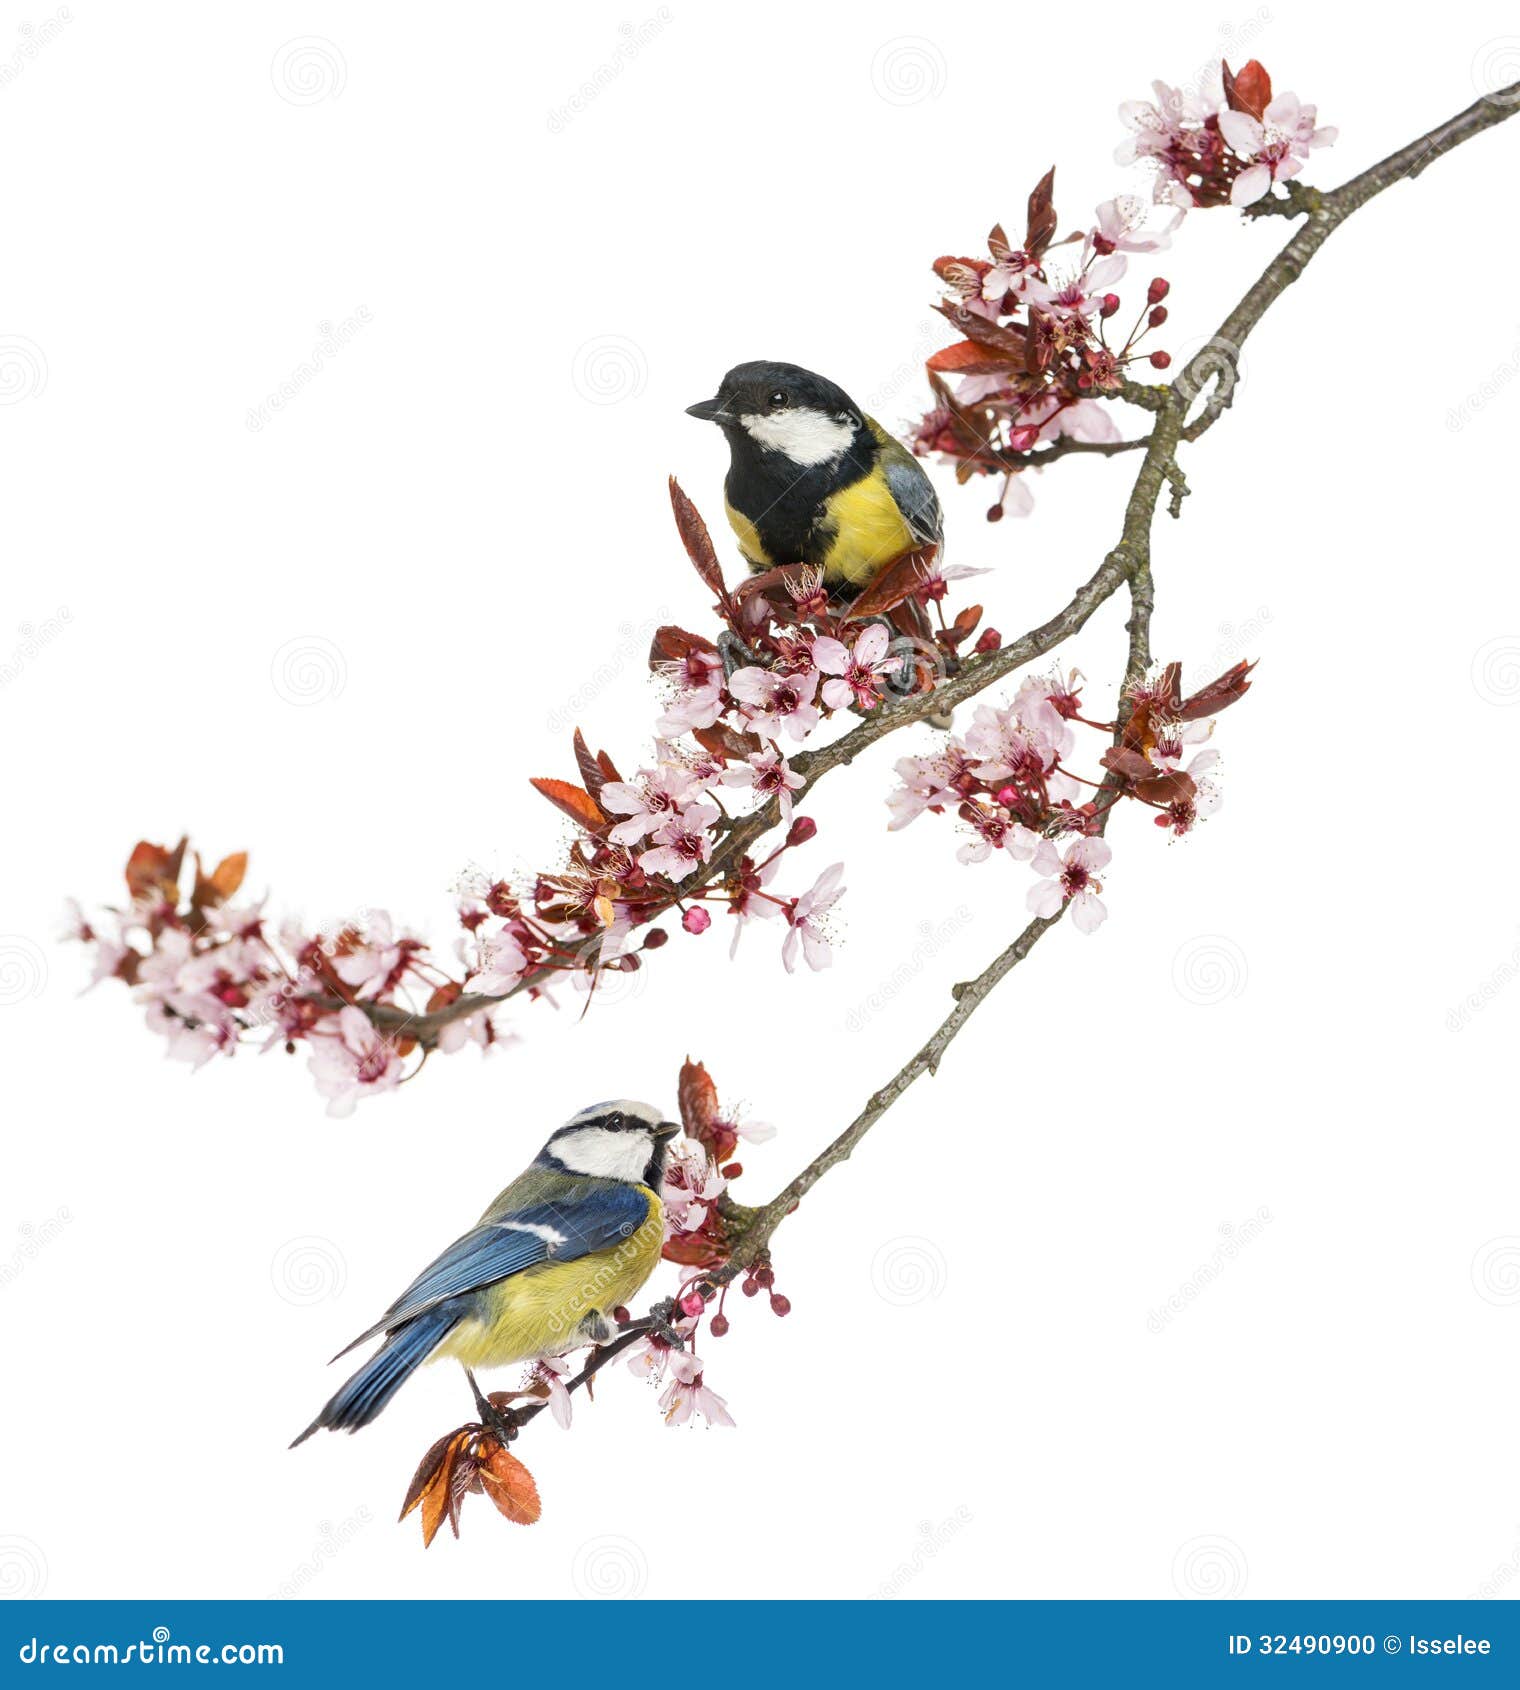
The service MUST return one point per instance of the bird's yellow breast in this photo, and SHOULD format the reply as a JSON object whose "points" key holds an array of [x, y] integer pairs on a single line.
{"points": [[539, 1312], [868, 530]]}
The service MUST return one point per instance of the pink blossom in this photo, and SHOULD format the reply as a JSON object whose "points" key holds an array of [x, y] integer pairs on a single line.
{"points": [[1157, 126], [686, 1395], [699, 695], [550, 1373], [1080, 295], [691, 1186], [655, 796], [500, 964], [857, 670], [770, 776], [927, 784], [750, 902], [805, 917], [681, 842], [1072, 877], [375, 965], [1119, 222], [353, 1061], [480, 1028], [771, 702], [995, 832], [1278, 144]]}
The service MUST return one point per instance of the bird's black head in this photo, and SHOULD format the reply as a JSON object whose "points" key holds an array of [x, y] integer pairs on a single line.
{"points": [[768, 407]]}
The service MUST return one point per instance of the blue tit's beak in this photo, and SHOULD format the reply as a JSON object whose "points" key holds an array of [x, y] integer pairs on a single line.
{"points": [[708, 410], [666, 1131]]}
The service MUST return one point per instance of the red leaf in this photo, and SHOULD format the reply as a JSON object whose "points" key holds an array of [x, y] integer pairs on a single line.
{"points": [[508, 1483], [726, 745], [963, 273], [900, 578], [1124, 761], [1249, 89], [155, 869], [1168, 787], [671, 644], [1004, 338], [698, 543], [1042, 215], [218, 886], [966, 358], [595, 771], [698, 1099], [694, 1250], [575, 802], [1218, 695]]}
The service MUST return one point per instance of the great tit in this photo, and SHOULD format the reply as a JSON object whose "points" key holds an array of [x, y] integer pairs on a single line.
{"points": [[570, 1239], [812, 479]]}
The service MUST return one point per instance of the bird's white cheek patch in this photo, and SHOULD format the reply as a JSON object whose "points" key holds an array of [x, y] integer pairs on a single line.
{"points": [[603, 1154], [806, 437]]}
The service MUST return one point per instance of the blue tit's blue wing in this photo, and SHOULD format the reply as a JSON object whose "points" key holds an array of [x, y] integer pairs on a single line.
{"points": [[594, 1218]]}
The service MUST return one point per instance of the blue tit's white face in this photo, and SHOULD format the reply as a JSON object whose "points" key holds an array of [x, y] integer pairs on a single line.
{"points": [[620, 1140]]}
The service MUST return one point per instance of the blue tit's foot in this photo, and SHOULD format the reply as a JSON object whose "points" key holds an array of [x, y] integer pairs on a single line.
{"points": [[501, 1423], [662, 1318], [734, 654]]}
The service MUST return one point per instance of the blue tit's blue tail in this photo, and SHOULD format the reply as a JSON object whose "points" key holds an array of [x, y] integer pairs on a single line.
{"points": [[387, 1370]]}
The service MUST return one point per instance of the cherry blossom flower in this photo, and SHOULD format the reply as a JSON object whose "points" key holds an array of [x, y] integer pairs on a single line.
{"points": [[1072, 877], [748, 900], [929, 783], [501, 963], [1080, 295], [699, 696], [1277, 145], [770, 775], [692, 1185], [857, 671], [1119, 222], [996, 833], [652, 799], [681, 842], [805, 917], [686, 1395], [354, 1061], [480, 1028], [1157, 126], [771, 702], [549, 1375], [374, 966]]}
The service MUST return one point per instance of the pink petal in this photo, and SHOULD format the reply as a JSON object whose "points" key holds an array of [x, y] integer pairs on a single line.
{"points": [[1044, 897]]}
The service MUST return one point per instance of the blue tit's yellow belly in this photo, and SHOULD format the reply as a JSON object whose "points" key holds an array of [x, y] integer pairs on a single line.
{"points": [[542, 1310], [868, 531]]}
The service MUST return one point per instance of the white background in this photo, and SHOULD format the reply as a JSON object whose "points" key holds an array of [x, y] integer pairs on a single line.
{"points": [[468, 508]]}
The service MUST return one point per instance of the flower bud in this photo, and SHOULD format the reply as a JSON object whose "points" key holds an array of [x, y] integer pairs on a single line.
{"points": [[732, 1170], [749, 1288], [1008, 796], [718, 1326], [1157, 317], [988, 640], [995, 514], [1022, 438], [803, 828], [655, 937], [1157, 291], [696, 920], [780, 1304], [1162, 360], [1109, 306], [692, 1303]]}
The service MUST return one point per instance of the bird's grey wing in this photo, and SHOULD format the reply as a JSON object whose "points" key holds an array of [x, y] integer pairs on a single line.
{"points": [[539, 1233], [914, 493]]}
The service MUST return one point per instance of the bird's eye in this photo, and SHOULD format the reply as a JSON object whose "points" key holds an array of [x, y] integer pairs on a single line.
{"points": [[777, 400]]}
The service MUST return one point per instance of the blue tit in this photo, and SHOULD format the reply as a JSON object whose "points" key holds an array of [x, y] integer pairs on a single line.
{"points": [[812, 479], [572, 1238]]}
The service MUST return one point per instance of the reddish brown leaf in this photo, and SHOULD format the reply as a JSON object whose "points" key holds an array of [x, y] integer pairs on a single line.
{"points": [[1218, 695], [1004, 338], [1042, 215], [1167, 787], [595, 771], [893, 584], [698, 1099], [433, 1483], [443, 996], [155, 869], [671, 644], [722, 742], [698, 542], [694, 1250], [508, 1483], [218, 886], [963, 273], [573, 801], [1249, 89], [1123, 761], [966, 358]]}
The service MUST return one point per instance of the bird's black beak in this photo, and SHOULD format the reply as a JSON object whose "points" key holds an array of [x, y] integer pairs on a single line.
{"points": [[707, 410], [666, 1131]]}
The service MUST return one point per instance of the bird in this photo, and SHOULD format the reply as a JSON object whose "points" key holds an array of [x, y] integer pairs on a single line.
{"points": [[572, 1238], [812, 479]]}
